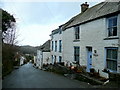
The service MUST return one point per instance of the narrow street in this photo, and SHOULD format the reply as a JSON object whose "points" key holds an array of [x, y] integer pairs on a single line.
{"points": [[29, 77]]}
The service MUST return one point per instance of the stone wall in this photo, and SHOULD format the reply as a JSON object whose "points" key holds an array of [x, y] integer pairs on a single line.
{"points": [[114, 77]]}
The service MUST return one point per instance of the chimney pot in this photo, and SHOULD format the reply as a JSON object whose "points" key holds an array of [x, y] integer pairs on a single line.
{"points": [[84, 7]]}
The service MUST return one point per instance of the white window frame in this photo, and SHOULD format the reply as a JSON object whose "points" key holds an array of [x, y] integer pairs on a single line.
{"points": [[112, 26], [111, 48], [78, 54], [77, 33]]}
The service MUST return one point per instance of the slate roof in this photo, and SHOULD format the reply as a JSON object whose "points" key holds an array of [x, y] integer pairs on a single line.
{"points": [[100, 10], [45, 47], [55, 31]]}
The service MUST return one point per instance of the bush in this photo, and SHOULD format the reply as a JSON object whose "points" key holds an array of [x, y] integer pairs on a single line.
{"points": [[7, 67]]}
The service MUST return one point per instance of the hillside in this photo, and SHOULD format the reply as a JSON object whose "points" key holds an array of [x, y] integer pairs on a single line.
{"points": [[28, 49]]}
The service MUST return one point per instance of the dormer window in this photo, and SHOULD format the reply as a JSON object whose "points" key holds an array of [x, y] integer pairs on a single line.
{"points": [[77, 32], [112, 26]]}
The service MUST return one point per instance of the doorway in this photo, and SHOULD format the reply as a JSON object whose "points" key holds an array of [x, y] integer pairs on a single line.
{"points": [[89, 58]]}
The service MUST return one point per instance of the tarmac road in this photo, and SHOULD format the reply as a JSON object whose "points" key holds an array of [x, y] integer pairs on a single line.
{"points": [[29, 77]]}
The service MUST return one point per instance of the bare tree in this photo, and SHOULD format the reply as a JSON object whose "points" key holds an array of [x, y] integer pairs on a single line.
{"points": [[10, 36]]}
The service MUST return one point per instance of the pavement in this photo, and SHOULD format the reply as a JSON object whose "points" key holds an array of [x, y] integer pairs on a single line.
{"points": [[29, 77]]}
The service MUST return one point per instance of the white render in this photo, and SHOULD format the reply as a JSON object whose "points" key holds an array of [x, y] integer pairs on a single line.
{"points": [[39, 59], [56, 37], [35, 59], [91, 34], [46, 58], [42, 58], [22, 59], [118, 69], [68, 52]]}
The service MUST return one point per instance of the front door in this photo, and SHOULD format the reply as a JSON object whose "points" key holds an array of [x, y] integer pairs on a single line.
{"points": [[89, 59]]}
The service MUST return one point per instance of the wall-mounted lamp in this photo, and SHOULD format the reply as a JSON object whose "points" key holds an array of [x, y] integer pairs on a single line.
{"points": [[95, 53]]}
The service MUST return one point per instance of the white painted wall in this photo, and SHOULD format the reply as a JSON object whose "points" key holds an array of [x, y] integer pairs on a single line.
{"points": [[91, 34], [42, 58], [35, 59], [56, 37], [39, 59], [68, 50], [118, 69], [22, 59], [46, 58]]}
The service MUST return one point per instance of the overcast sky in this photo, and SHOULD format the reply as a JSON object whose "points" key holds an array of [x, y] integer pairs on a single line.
{"points": [[36, 20]]}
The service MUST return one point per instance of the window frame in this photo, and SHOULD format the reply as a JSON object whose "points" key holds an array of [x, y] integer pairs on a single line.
{"points": [[111, 27], [60, 59], [52, 58], [77, 32], [77, 55], [60, 45], [55, 46], [111, 59], [55, 58]]}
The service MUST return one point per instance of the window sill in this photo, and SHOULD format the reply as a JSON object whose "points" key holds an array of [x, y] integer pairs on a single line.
{"points": [[77, 40], [109, 38]]}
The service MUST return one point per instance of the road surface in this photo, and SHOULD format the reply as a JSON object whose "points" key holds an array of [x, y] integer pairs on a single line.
{"points": [[29, 77]]}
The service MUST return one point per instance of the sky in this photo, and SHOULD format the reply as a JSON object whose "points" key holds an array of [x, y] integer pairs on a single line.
{"points": [[36, 19]]}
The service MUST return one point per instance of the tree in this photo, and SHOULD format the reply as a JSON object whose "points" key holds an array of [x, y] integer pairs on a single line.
{"points": [[8, 39], [8, 28], [6, 20]]}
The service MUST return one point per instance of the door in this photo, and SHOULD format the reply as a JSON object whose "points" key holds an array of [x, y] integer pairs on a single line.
{"points": [[89, 59]]}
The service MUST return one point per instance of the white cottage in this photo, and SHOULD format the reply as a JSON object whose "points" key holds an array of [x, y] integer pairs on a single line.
{"points": [[22, 60], [43, 55], [92, 38], [56, 46]]}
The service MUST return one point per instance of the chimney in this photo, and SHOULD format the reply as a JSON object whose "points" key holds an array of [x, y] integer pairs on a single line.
{"points": [[84, 7]]}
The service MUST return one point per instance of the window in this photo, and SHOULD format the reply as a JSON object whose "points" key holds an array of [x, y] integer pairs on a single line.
{"points": [[55, 46], [52, 58], [52, 45], [77, 32], [76, 54], [112, 26], [111, 58], [60, 58], [60, 45]]}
